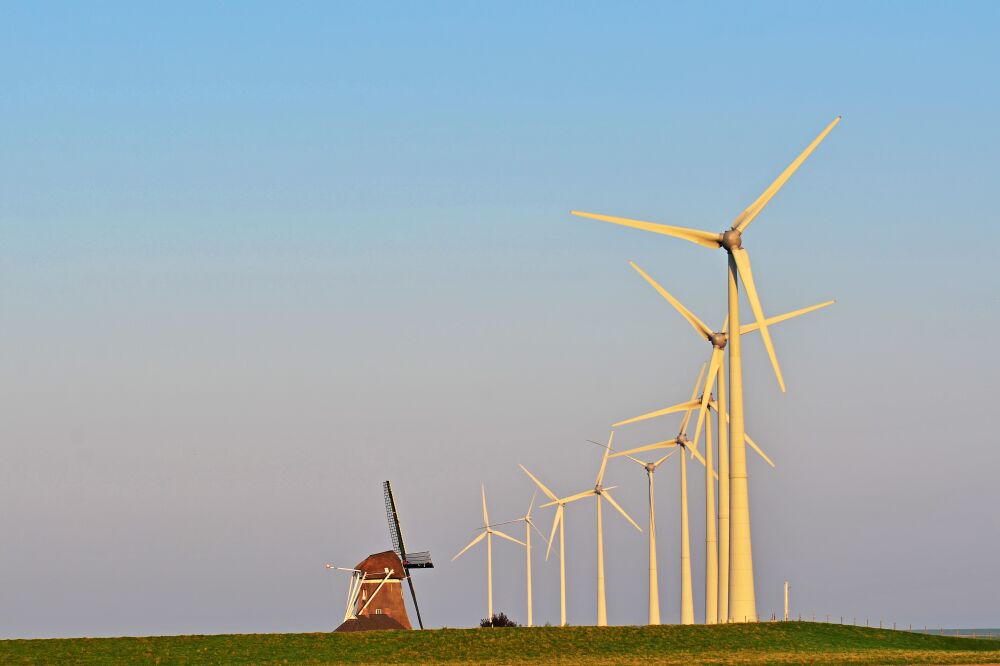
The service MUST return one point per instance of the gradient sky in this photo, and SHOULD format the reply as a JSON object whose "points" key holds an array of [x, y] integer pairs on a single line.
{"points": [[255, 259]]}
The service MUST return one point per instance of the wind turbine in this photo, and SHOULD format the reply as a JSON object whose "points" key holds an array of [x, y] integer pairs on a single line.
{"points": [[487, 534], [687, 598], [600, 492], [654, 585], [742, 603], [557, 521], [529, 525], [718, 340]]}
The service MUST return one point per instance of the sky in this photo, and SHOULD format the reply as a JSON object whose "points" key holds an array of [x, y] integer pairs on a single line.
{"points": [[257, 258]]}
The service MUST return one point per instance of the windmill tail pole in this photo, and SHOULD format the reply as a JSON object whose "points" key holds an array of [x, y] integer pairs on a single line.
{"points": [[414, 596]]}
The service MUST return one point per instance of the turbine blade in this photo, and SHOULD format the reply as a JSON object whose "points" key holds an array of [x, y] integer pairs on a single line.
{"points": [[604, 459], [661, 460], [691, 404], [747, 216], [749, 441], [743, 264], [665, 444], [531, 506], [508, 537], [611, 499], [753, 445], [635, 460], [698, 325], [472, 543], [548, 493], [555, 524], [486, 516], [572, 498], [532, 523], [699, 458], [694, 394], [713, 371], [750, 328], [703, 238]]}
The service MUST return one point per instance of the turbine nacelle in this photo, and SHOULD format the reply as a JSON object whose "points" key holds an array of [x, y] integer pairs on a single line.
{"points": [[719, 339], [731, 239]]}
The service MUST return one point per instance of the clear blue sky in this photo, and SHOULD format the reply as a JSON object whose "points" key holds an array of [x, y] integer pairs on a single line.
{"points": [[255, 259]]}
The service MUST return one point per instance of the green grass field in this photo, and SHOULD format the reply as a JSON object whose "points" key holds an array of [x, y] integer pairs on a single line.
{"points": [[769, 643]]}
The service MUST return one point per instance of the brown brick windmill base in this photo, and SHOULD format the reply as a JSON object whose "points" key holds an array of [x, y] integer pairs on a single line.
{"points": [[380, 598]]}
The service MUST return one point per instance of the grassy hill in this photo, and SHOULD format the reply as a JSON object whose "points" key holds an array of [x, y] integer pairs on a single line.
{"points": [[770, 643]]}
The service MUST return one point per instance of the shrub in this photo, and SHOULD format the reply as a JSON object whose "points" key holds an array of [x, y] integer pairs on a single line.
{"points": [[498, 620]]}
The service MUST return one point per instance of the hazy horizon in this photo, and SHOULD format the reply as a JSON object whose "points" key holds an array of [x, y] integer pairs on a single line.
{"points": [[257, 260]]}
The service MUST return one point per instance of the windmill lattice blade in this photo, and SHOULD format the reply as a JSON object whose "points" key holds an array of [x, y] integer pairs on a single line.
{"points": [[698, 325], [471, 544], [747, 216], [665, 444], [750, 328], [743, 264], [611, 499], [703, 238], [551, 495]]}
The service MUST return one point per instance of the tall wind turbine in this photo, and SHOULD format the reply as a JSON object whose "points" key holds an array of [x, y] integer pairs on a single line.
{"points": [[600, 492], [687, 595], [742, 603], [654, 584], [487, 534], [529, 525], [718, 340], [557, 521]]}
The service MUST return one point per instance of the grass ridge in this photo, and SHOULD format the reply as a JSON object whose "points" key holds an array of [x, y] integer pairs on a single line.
{"points": [[764, 643]]}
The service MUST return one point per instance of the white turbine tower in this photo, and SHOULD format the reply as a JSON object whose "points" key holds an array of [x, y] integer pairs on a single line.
{"points": [[654, 584], [717, 578], [601, 493], [557, 521], [487, 534], [529, 525], [687, 595]]}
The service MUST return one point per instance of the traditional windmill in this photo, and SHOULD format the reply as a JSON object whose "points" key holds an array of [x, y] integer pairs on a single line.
{"points": [[375, 594]]}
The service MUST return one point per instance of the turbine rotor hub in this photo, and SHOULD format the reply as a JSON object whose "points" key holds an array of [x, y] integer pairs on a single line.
{"points": [[682, 440], [719, 340], [731, 240], [650, 467]]}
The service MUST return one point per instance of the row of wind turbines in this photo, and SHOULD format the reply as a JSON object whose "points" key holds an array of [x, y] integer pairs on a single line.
{"points": [[729, 577]]}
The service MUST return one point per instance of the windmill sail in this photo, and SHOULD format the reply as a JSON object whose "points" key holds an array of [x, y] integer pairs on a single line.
{"points": [[419, 560]]}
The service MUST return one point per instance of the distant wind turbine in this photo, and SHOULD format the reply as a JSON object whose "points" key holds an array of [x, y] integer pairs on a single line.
{"points": [[487, 534], [601, 493]]}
